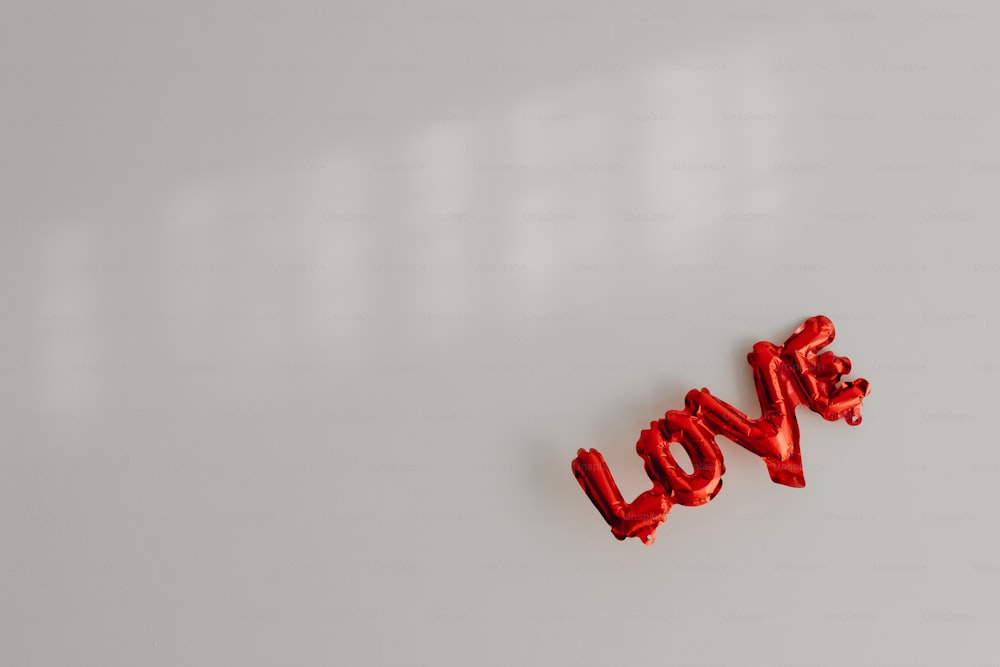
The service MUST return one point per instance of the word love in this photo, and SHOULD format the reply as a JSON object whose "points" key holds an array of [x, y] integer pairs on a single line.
{"points": [[786, 376]]}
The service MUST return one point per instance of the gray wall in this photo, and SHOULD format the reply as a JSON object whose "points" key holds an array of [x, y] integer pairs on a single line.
{"points": [[306, 307]]}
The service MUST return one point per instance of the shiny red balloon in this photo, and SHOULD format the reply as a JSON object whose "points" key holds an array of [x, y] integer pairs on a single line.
{"points": [[787, 375]]}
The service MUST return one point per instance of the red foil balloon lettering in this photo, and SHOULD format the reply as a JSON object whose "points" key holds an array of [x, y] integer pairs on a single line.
{"points": [[786, 376]]}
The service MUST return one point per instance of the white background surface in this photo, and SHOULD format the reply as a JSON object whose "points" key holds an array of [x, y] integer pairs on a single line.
{"points": [[306, 309]]}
